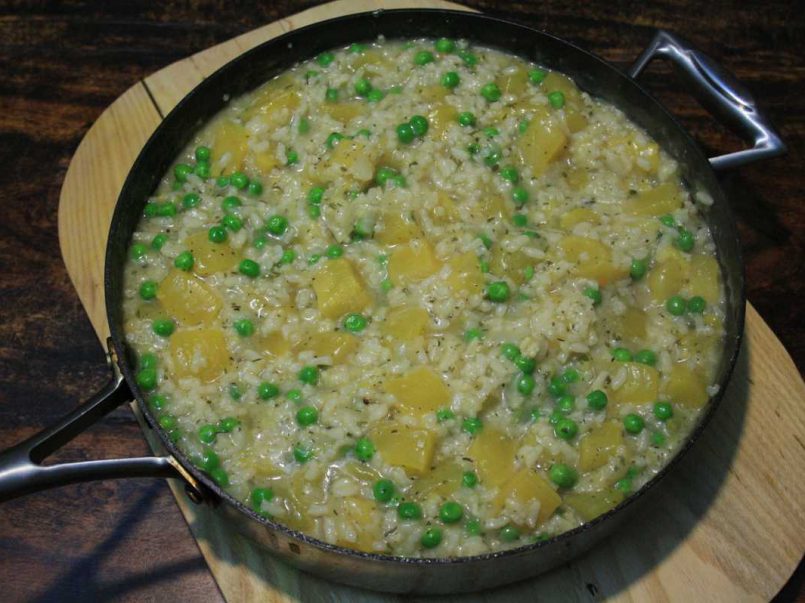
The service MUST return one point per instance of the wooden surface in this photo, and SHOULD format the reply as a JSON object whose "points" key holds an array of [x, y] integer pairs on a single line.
{"points": [[126, 539]]}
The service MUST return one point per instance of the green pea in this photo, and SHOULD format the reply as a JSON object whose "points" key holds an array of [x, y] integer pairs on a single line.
{"points": [[222, 181], [624, 485], [228, 424], [148, 290], [157, 402], [147, 379], [255, 188], [472, 425], [676, 305], [239, 180], [244, 327], [287, 257], [159, 241], [469, 479], [220, 477], [498, 292], [473, 527], [557, 387], [597, 400], [526, 364], [166, 210], [445, 45], [217, 234], [138, 252], [423, 57], [375, 95], [148, 361], [314, 211], [667, 220], [646, 357], [492, 155], [466, 119], [431, 538], [232, 222], [302, 454], [485, 240], [277, 225], [203, 170], [484, 266], [325, 58], [657, 439], [168, 422], [510, 174], [557, 99], [249, 268], [510, 351], [522, 126], [234, 391], [451, 79], [566, 404], [364, 449], [181, 171], [334, 251], [520, 220], [594, 293], [405, 133], [490, 132], [315, 195], [294, 395], [663, 410], [383, 490], [419, 124], [509, 533], [696, 304], [444, 414], [536, 76], [355, 323], [638, 269], [207, 434], [621, 355], [304, 126], [259, 496], [472, 334], [409, 511], [209, 459], [685, 240], [231, 202], [469, 59], [525, 384], [363, 87], [633, 423], [563, 475], [191, 200], [566, 429], [291, 158], [570, 375], [164, 327], [332, 139], [309, 374], [520, 196], [267, 391], [451, 512], [202, 153], [490, 92], [307, 415], [184, 261]]}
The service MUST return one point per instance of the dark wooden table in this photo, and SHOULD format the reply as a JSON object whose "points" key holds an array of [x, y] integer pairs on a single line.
{"points": [[63, 63]]}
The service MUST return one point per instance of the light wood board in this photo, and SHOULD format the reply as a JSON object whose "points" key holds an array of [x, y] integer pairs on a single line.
{"points": [[729, 524]]}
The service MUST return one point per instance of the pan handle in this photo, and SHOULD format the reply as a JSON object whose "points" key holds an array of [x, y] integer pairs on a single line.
{"points": [[722, 94], [21, 471]]}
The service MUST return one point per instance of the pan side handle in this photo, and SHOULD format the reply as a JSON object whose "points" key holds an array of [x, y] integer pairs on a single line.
{"points": [[22, 472], [722, 94]]}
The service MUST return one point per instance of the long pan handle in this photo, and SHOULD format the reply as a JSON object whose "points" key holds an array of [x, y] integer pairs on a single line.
{"points": [[722, 94], [22, 472]]}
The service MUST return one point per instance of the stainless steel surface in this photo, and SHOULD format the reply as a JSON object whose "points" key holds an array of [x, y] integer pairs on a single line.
{"points": [[721, 93]]}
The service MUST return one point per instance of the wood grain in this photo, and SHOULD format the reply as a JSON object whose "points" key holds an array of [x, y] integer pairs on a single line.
{"points": [[64, 63]]}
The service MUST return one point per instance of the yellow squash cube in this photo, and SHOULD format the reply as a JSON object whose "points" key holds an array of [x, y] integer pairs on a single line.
{"points": [[641, 386], [210, 258], [404, 446], [397, 227], [632, 325], [657, 201], [592, 259], [339, 289], [685, 387], [666, 279], [590, 505], [513, 81], [419, 391], [511, 264], [440, 118], [704, 278], [406, 323], [443, 481], [188, 299], [465, 274], [578, 215], [200, 353], [274, 102], [344, 112], [230, 140], [445, 211], [524, 488], [493, 454], [412, 262], [541, 143], [364, 518], [598, 446], [273, 344], [336, 345]]}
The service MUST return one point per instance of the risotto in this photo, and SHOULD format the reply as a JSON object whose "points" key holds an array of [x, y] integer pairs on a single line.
{"points": [[423, 298]]}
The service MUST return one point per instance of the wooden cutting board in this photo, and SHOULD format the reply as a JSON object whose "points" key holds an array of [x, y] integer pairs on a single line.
{"points": [[729, 524]]}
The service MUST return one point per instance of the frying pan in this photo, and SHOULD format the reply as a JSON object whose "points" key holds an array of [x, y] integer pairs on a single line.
{"points": [[21, 471]]}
